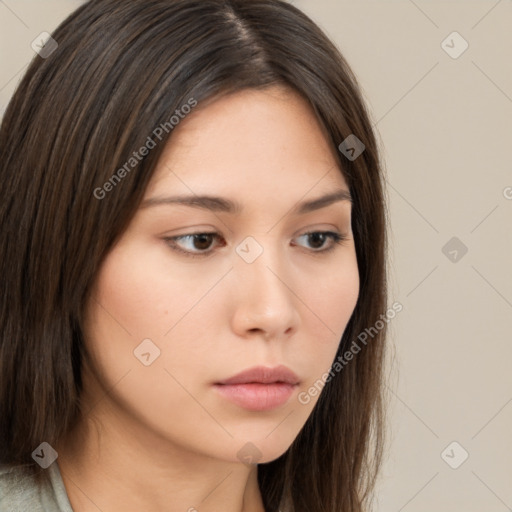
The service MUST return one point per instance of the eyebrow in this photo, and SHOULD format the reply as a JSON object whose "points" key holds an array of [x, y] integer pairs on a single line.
{"points": [[224, 205]]}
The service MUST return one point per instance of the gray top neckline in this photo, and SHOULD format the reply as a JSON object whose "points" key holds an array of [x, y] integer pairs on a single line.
{"points": [[19, 492]]}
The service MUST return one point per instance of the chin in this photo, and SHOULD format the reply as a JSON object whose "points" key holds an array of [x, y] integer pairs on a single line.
{"points": [[259, 451]]}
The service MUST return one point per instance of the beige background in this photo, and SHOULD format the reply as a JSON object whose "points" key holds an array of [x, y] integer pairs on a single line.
{"points": [[446, 126]]}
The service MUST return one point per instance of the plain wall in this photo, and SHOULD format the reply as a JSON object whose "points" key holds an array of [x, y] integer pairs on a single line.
{"points": [[445, 124]]}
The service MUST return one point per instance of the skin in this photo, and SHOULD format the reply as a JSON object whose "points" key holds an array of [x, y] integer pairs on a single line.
{"points": [[162, 439]]}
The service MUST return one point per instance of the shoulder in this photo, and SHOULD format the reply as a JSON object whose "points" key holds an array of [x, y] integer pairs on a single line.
{"points": [[19, 491]]}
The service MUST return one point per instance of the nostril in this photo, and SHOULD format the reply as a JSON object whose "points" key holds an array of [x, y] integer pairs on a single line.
{"points": [[257, 330]]}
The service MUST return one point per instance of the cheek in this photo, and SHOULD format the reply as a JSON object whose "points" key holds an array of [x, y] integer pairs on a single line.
{"points": [[128, 304], [135, 300], [340, 297], [141, 294], [330, 299], [332, 295]]}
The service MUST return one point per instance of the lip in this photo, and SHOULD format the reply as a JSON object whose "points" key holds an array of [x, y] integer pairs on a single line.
{"points": [[263, 375], [259, 388]]}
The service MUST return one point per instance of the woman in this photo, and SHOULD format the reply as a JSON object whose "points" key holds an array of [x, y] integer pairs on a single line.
{"points": [[193, 225]]}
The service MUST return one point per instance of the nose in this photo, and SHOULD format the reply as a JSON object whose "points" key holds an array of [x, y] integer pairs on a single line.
{"points": [[265, 303]]}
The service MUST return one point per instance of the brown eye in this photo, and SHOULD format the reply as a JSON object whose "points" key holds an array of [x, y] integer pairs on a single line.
{"points": [[202, 241], [194, 244], [317, 240]]}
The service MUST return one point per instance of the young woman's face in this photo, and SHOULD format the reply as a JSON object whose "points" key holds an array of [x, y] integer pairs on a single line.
{"points": [[197, 291]]}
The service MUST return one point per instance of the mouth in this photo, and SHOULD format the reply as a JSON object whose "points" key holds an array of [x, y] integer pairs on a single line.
{"points": [[259, 388]]}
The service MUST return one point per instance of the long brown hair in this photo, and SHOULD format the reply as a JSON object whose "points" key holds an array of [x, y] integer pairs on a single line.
{"points": [[120, 70]]}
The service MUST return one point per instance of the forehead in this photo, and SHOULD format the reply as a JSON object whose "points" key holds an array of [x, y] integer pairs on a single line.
{"points": [[249, 139]]}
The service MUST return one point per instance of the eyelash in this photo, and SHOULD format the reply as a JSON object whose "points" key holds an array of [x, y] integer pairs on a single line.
{"points": [[336, 238]]}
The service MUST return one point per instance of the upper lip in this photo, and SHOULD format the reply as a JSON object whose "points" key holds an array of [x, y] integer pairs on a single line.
{"points": [[263, 375]]}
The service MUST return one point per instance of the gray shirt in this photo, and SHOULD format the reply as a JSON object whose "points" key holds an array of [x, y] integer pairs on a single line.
{"points": [[19, 493]]}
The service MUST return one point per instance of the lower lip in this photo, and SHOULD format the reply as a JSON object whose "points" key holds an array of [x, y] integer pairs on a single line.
{"points": [[257, 397]]}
